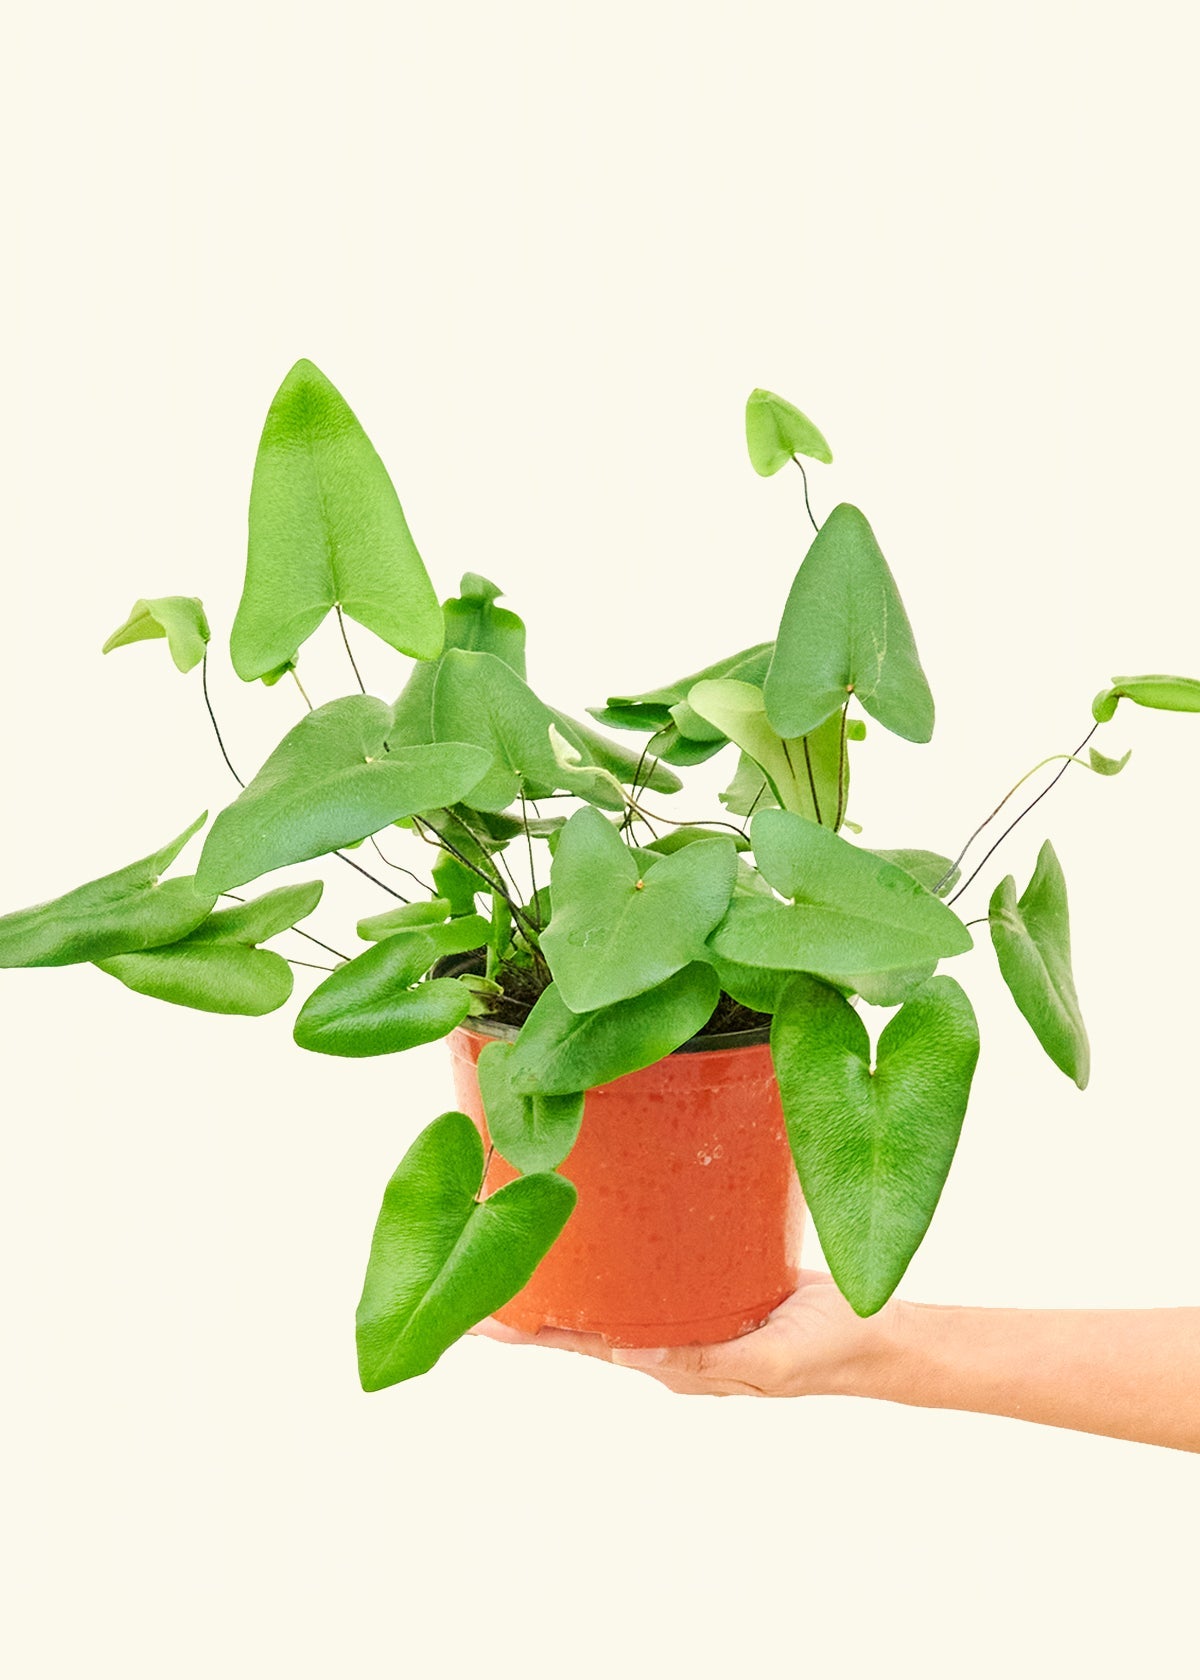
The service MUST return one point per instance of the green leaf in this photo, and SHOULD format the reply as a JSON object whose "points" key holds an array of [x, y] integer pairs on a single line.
{"points": [[687, 835], [479, 698], [873, 1146], [844, 631], [652, 710], [456, 883], [178, 618], [217, 967], [223, 979], [1032, 937], [378, 1004], [534, 1133], [1162, 694], [426, 913], [775, 431], [935, 872], [803, 772], [750, 789], [756, 988], [441, 1261], [475, 623], [329, 782], [851, 912], [617, 760], [1104, 766], [559, 1052], [614, 934], [326, 529], [125, 911]]}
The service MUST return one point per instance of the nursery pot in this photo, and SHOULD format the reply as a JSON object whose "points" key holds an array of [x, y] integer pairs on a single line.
{"points": [[689, 1216]]}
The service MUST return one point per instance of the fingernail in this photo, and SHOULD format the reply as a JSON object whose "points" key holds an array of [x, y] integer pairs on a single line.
{"points": [[638, 1356]]}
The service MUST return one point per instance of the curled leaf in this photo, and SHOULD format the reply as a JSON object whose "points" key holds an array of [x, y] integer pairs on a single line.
{"points": [[178, 618], [1032, 937], [1160, 693], [776, 430]]}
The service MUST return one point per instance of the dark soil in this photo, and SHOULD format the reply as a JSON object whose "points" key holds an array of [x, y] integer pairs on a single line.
{"points": [[523, 985]]}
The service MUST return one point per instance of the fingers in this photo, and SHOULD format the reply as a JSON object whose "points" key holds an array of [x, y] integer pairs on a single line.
{"points": [[755, 1364], [749, 1365], [571, 1341]]}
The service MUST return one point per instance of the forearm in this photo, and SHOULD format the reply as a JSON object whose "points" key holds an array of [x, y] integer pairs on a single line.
{"points": [[1134, 1374]]}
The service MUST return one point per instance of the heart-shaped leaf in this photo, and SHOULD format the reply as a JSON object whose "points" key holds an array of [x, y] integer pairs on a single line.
{"points": [[378, 1004], [614, 933], [776, 430], [1032, 936], [844, 631], [217, 967], [180, 618], [326, 530], [125, 911], [442, 1261], [851, 913], [809, 774], [873, 1146], [1160, 693], [329, 782], [534, 1133], [558, 1052]]}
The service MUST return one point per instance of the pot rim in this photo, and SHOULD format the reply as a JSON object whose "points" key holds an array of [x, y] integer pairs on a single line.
{"points": [[485, 1027]]}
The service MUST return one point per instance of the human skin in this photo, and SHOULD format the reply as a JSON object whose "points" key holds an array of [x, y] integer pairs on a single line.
{"points": [[1133, 1373]]}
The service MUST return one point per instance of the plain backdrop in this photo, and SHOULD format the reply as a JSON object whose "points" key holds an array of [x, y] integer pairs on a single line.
{"points": [[546, 251]]}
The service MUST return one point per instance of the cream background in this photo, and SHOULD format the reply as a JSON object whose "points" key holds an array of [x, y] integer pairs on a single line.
{"points": [[546, 251]]}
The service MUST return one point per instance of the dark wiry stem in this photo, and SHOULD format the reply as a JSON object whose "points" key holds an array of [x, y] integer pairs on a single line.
{"points": [[807, 503], [1052, 783], [383, 858], [349, 651], [371, 877], [213, 720]]}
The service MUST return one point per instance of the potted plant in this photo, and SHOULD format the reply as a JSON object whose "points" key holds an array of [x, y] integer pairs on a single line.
{"points": [[654, 1019]]}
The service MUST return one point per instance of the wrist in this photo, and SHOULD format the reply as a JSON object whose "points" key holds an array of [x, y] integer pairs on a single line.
{"points": [[882, 1356]]}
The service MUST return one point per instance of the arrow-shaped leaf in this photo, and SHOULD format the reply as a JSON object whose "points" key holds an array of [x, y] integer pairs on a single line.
{"points": [[776, 430], [178, 618], [844, 631], [125, 911], [873, 1146], [440, 1260], [329, 782], [534, 1133], [1032, 936], [326, 530], [614, 933], [558, 1052], [378, 1004]]}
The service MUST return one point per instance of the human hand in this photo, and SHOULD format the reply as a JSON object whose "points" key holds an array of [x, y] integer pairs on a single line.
{"points": [[813, 1343]]}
